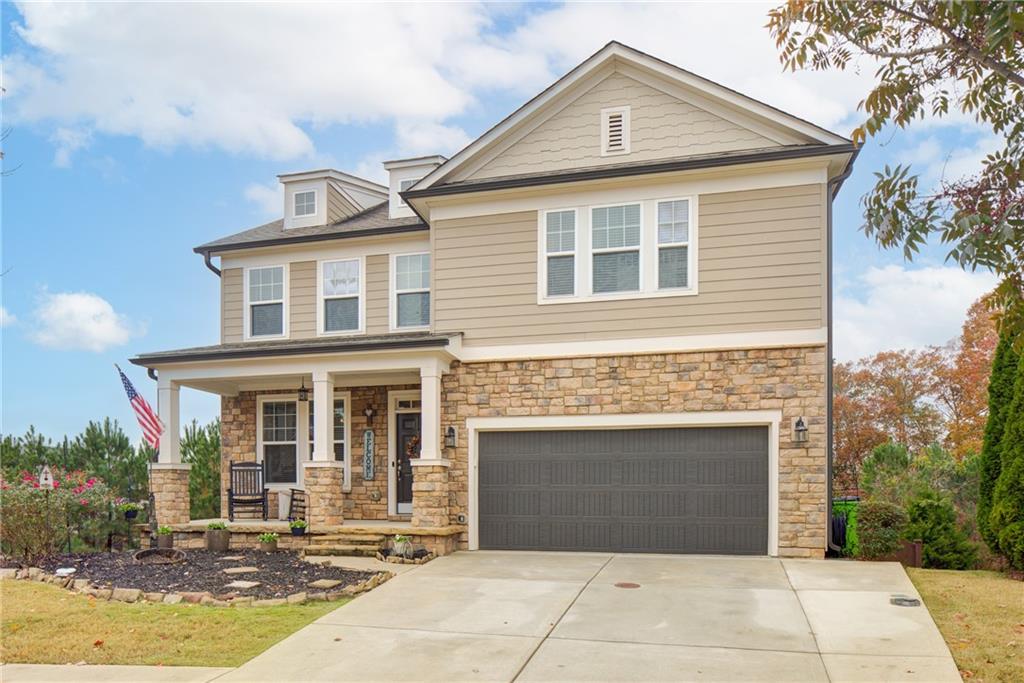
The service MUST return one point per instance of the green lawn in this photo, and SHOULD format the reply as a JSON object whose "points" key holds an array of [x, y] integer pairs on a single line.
{"points": [[981, 616], [43, 624]]}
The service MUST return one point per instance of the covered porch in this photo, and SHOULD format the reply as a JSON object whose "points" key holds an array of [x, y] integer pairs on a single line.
{"points": [[350, 428]]}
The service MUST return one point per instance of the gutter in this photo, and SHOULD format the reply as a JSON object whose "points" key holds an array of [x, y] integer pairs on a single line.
{"points": [[299, 239], [209, 264], [833, 189]]}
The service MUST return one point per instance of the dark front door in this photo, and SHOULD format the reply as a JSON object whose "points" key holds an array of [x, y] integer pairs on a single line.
{"points": [[408, 445]]}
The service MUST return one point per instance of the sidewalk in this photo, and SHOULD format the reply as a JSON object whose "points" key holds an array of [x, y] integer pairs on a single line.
{"points": [[87, 673]]}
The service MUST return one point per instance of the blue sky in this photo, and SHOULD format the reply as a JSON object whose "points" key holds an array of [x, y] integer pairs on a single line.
{"points": [[140, 131]]}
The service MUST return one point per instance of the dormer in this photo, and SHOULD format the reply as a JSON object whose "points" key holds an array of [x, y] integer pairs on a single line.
{"points": [[326, 196], [402, 175]]}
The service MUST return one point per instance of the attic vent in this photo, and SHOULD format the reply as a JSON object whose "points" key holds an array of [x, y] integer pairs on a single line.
{"points": [[614, 131]]}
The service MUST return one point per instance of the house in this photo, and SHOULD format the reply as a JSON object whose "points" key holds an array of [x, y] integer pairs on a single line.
{"points": [[603, 325]]}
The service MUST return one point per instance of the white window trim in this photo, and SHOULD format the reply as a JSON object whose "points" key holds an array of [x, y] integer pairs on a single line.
{"points": [[301, 448], [393, 292], [591, 251], [690, 244], [247, 310], [626, 136], [401, 202], [394, 397], [346, 396], [542, 263], [316, 202], [320, 298], [648, 253]]}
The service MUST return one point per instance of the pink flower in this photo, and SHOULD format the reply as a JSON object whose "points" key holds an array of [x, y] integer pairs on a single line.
{"points": [[56, 484], [36, 485], [83, 501]]}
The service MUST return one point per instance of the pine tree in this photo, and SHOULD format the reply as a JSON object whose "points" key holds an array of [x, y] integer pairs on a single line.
{"points": [[1006, 521], [1000, 394]]}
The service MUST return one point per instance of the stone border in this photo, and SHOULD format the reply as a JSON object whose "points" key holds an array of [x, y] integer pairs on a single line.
{"points": [[394, 559], [86, 587]]}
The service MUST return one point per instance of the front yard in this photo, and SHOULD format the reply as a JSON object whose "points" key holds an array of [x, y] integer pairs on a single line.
{"points": [[44, 624], [981, 616]]}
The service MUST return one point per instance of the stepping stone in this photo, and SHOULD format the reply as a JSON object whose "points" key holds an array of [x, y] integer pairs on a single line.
{"points": [[231, 558], [240, 570], [243, 584], [325, 584]]}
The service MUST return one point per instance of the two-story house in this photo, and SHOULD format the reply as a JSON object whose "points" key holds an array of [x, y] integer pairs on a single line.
{"points": [[603, 325]]}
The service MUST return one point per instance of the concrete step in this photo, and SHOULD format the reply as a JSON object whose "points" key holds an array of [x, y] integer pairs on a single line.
{"points": [[340, 549], [348, 538]]}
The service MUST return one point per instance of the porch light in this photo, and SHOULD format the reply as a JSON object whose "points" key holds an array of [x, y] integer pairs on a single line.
{"points": [[800, 430], [368, 412], [303, 391], [449, 437]]}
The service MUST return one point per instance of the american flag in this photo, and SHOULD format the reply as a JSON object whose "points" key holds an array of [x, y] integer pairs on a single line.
{"points": [[152, 428]]}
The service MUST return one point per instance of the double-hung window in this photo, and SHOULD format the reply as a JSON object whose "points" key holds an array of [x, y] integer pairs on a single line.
{"points": [[305, 203], [560, 252], [341, 288], [279, 441], [615, 247], [412, 290], [266, 301], [674, 244]]}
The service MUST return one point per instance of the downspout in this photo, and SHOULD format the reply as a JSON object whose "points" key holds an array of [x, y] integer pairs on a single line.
{"points": [[152, 374], [833, 189], [209, 264]]}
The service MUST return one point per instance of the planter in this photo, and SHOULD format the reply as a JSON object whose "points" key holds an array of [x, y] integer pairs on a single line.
{"points": [[218, 540], [298, 531], [165, 541], [268, 546], [131, 514], [403, 549]]}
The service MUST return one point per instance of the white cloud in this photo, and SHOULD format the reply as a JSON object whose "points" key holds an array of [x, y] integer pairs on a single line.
{"points": [[80, 321], [68, 141], [269, 198], [6, 317], [896, 307], [430, 138]]}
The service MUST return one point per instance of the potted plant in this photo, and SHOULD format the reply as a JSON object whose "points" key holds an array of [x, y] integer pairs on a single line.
{"points": [[403, 545], [164, 537], [217, 537], [298, 527], [268, 542], [130, 510]]}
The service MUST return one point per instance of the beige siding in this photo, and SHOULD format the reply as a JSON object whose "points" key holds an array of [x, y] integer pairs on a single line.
{"points": [[231, 303], [302, 299], [338, 208], [662, 126], [760, 267], [377, 294]]}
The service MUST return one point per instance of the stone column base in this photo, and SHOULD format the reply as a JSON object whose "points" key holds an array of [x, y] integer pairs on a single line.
{"points": [[168, 482], [324, 497], [430, 493]]}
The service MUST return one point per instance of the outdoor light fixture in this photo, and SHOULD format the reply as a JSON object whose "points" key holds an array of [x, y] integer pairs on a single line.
{"points": [[449, 437], [800, 430], [303, 391], [368, 412]]}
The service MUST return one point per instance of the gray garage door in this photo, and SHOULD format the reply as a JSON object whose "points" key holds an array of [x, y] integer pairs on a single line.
{"points": [[688, 490]]}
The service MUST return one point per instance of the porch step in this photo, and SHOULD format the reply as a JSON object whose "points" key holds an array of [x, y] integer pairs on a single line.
{"points": [[348, 539], [348, 550]]}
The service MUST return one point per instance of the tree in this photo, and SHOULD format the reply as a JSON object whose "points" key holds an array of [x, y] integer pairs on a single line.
{"points": [[901, 384], [933, 55], [1000, 395], [104, 450], [854, 431], [932, 520], [200, 447], [1006, 521]]}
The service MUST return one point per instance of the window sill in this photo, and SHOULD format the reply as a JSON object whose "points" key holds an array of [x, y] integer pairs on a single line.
{"points": [[617, 296], [341, 333], [420, 328]]}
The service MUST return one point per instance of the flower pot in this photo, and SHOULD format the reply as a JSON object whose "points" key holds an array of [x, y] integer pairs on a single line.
{"points": [[403, 548], [298, 531], [131, 514], [165, 540], [268, 546], [218, 540]]}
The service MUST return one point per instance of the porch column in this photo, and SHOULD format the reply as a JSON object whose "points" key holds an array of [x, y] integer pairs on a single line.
{"points": [[323, 475], [168, 478], [430, 506]]}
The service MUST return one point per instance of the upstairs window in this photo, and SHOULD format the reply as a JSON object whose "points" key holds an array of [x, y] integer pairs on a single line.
{"points": [[404, 185], [266, 301], [560, 252], [615, 131], [674, 244], [412, 290], [342, 290], [305, 203], [615, 246]]}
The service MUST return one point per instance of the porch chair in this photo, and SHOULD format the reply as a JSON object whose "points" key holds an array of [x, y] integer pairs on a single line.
{"points": [[296, 505], [247, 489]]}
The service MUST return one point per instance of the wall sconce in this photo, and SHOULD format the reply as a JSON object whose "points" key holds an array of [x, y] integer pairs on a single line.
{"points": [[800, 430], [368, 412], [450, 437], [303, 391]]}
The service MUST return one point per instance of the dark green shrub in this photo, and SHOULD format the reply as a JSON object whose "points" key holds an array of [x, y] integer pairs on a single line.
{"points": [[1007, 516], [879, 529], [885, 474], [1000, 394], [932, 520]]}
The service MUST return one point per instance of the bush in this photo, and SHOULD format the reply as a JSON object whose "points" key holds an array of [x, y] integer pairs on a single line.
{"points": [[932, 520], [1007, 516], [1000, 394], [886, 474], [879, 529]]}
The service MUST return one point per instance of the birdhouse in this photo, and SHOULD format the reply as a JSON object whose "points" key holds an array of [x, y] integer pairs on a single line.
{"points": [[45, 478]]}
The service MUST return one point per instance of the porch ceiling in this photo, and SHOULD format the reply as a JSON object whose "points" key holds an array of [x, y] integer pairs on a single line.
{"points": [[231, 386]]}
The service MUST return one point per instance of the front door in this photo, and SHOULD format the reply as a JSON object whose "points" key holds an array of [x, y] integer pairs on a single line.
{"points": [[408, 446]]}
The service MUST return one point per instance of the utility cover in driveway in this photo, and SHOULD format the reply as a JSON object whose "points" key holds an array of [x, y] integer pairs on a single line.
{"points": [[685, 490]]}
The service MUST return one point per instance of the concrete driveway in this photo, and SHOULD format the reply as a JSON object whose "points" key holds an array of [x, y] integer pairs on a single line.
{"points": [[500, 616]]}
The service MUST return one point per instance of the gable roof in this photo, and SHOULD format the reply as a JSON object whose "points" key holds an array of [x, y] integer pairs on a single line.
{"points": [[613, 53]]}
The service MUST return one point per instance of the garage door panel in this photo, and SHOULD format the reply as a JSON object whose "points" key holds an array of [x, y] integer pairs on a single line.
{"points": [[701, 490]]}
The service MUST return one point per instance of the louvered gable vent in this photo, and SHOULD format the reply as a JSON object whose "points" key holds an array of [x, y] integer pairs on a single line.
{"points": [[614, 131]]}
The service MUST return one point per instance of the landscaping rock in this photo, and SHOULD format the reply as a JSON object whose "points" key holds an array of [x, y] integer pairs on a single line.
{"points": [[102, 593], [231, 558], [172, 599], [274, 602], [9, 573], [242, 602], [126, 594], [325, 583], [36, 574], [243, 585], [80, 584], [334, 596], [153, 597], [297, 598], [241, 570], [318, 596], [193, 598]]}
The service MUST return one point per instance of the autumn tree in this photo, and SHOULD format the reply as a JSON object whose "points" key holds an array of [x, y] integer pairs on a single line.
{"points": [[855, 431], [932, 57]]}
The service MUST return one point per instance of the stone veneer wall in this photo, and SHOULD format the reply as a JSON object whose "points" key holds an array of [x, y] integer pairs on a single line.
{"points": [[791, 380], [170, 494], [430, 496]]}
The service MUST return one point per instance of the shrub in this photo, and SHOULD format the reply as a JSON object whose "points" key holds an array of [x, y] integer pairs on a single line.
{"points": [[164, 530], [1007, 516], [879, 528], [268, 537], [1000, 394], [932, 520], [885, 474], [297, 524], [216, 526]]}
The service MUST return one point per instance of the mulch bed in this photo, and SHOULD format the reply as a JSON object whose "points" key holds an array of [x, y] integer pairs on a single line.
{"points": [[280, 574]]}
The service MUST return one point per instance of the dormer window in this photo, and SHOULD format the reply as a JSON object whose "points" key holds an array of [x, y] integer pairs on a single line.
{"points": [[403, 186], [615, 129], [305, 203]]}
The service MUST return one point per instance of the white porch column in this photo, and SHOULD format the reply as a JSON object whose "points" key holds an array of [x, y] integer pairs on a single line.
{"points": [[430, 412], [168, 402], [323, 414]]}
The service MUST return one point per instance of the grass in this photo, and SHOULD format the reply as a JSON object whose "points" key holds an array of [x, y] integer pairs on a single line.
{"points": [[43, 624], [981, 616]]}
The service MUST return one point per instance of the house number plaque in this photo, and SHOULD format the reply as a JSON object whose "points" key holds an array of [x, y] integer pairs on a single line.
{"points": [[368, 454]]}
